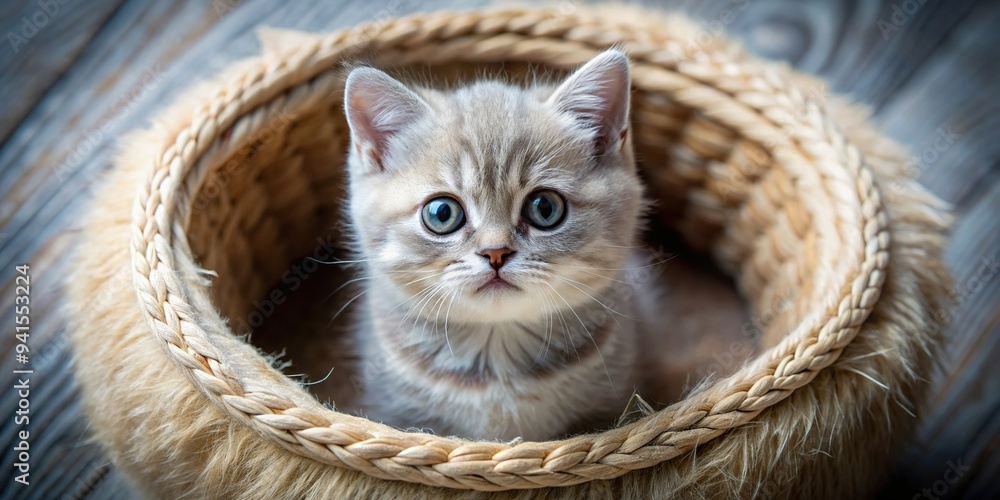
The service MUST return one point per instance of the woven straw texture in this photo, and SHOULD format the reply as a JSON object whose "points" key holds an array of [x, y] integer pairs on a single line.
{"points": [[749, 168]]}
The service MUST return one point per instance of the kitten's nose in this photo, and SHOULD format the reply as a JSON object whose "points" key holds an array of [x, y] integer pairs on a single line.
{"points": [[497, 256]]}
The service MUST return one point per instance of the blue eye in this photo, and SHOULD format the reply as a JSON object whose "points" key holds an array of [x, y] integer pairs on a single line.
{"points": [[443, 215], [545, 209]]}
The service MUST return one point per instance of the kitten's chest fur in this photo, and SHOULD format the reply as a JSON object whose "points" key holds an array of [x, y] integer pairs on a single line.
{"points": [[536, 380]]}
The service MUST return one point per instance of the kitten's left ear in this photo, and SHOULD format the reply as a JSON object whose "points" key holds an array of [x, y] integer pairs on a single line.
{"points": [[377, 108], [597, 94]]}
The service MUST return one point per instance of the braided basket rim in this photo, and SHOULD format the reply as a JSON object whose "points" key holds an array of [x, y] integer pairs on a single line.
{"points": [[744, 96]]}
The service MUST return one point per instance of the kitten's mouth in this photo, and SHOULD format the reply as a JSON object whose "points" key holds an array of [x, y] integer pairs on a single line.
{"points": [[497, 284]]}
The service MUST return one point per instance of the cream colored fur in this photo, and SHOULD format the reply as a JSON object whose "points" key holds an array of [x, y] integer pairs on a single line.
{"points": [[831, 438]]}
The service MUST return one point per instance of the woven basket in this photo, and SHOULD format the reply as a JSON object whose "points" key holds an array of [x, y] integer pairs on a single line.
{"points": [[787, 189]]}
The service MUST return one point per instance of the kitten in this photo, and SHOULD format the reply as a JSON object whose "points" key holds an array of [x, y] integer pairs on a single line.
{"points": [[494, 225]]}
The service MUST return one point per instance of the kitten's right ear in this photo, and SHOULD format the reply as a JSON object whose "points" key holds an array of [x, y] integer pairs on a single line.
{"points": [[597, 95], [377, 107]]}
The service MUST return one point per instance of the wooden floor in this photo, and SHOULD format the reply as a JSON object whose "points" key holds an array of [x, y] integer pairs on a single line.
{"points": [[72, 81]]}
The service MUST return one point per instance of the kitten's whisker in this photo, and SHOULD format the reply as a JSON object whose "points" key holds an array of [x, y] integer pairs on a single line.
{"points": [[418, 280], [563, 323], [451, 301], [608, 245], [587, 331], [610, 310], [407, 271], [546, 332], [335, 262], [320, 381], [418, 294], [672, 257], [361, 261], [571, 282], [341, 287], [341, 310], [424, 295], [343, 307], [605, 277], [420, 313], [565, 326], [419, 297], [547, 325], [362, 278], [584, 269], [438, 304]]}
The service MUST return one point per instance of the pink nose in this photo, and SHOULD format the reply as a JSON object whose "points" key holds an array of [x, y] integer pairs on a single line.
{"points": [[498, 256]]}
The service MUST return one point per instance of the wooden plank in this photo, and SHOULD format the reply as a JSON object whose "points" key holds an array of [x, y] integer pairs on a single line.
{"points": [[984, 484], [874, 60], [947, 113], [52, 160], [41, 39], [960, 424], [866, 49], [111, 485], [88, 105], [56, 424], [41, 192], [41, 197]]}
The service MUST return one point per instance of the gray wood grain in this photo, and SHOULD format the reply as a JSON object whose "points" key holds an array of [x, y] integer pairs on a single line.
{"points": [[94, 78], [44, 165], [845, 41], [39, 42], [953, 94], [963, 419]]}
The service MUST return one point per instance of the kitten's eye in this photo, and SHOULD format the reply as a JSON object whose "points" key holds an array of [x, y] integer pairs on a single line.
{"points": [[545, 209], [443, 215]]}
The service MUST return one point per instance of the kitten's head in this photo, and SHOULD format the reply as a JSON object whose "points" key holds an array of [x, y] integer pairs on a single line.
{"points": [[491, 201]]}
